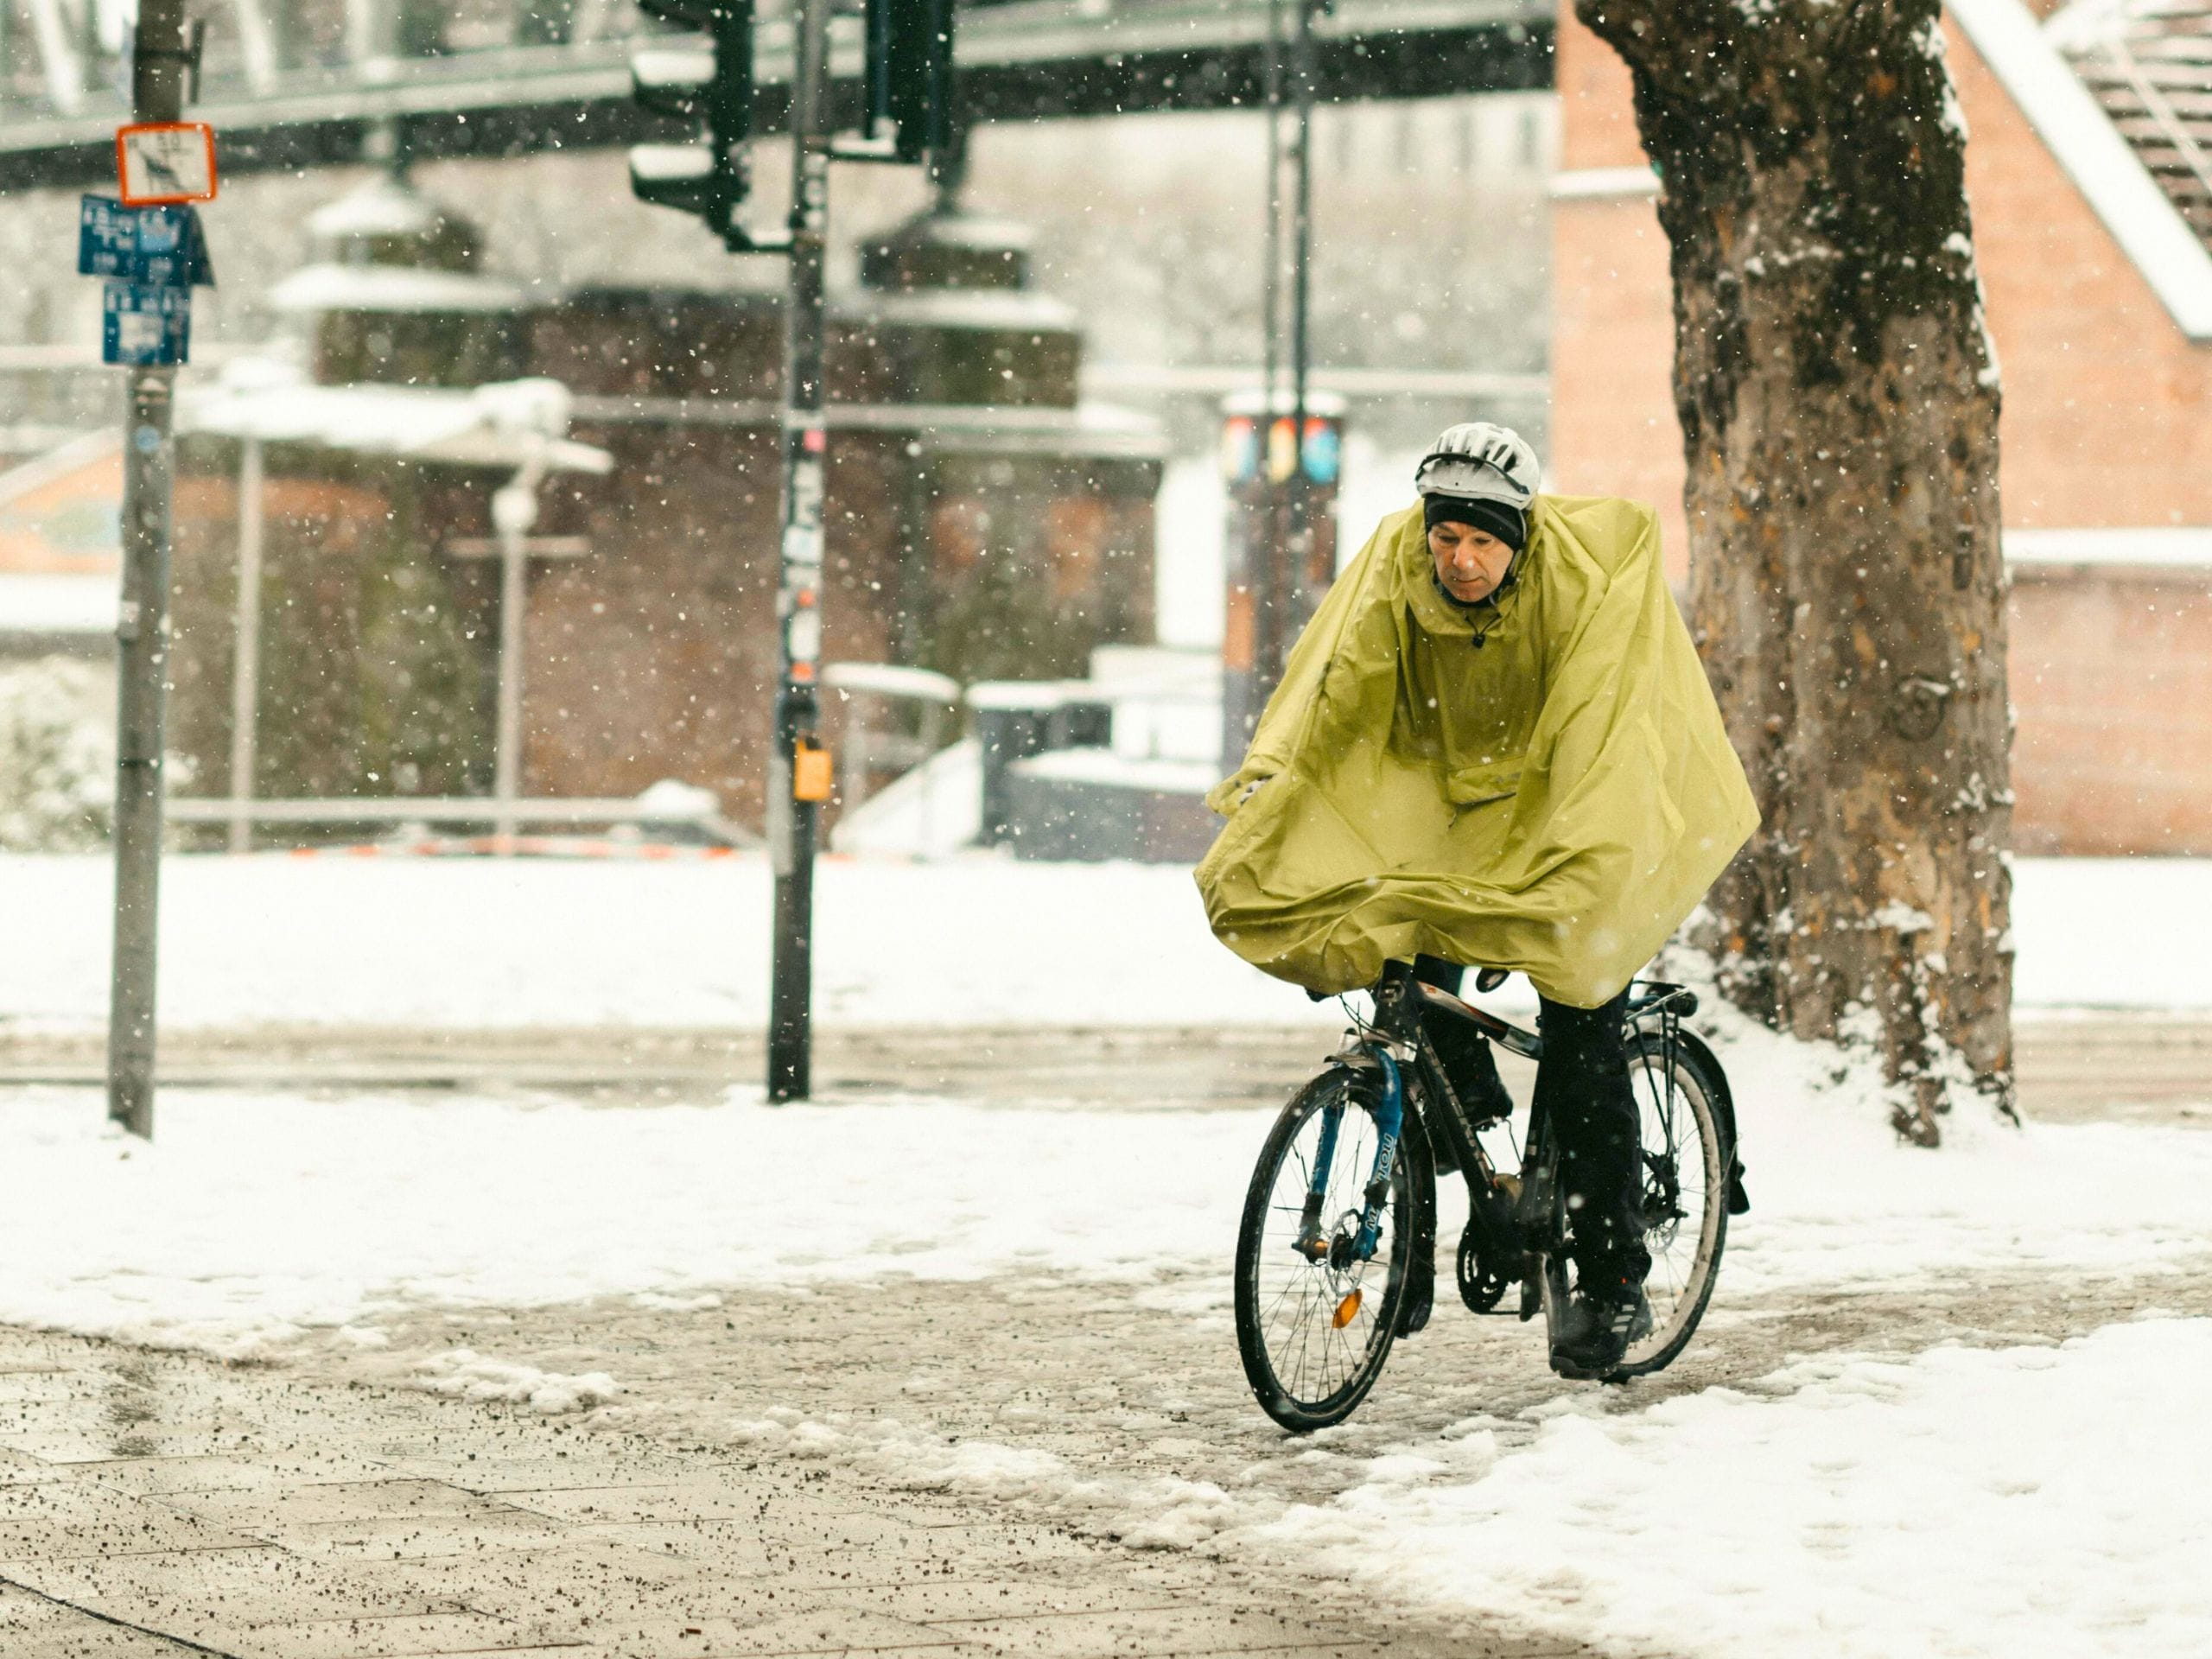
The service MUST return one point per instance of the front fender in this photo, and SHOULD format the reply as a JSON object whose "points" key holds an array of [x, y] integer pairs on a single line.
{"points": [[1724, 1108]]}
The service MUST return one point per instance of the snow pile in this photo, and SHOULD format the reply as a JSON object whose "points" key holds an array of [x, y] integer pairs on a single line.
{"points": [[2020, 1501], [933, 810], [57, 754], [463, 1373], [1835, 1200], [2112, 932]]}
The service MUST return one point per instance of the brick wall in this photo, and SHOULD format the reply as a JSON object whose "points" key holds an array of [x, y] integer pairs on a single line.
{"points": [[2103, 425], [2112, 676], [1613, 427]]}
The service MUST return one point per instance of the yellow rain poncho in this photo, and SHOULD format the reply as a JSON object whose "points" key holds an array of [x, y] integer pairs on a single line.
{"points": [[1553, 802]]}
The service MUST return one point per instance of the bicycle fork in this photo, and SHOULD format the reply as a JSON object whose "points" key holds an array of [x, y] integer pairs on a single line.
{"points": [[1389, 1123]]}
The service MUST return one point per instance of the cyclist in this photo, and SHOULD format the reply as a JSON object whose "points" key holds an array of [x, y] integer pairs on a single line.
{"points": [[1494, 744]]}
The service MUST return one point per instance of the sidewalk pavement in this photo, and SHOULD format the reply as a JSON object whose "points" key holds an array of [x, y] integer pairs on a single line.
{"points": [[156, 1504]]}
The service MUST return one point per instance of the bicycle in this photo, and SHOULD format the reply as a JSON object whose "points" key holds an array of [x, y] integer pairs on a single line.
{"points": [[1346, 1181]]}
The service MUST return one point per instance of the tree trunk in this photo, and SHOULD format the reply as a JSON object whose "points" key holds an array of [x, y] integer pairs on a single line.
{"points": [[1838, 397]]}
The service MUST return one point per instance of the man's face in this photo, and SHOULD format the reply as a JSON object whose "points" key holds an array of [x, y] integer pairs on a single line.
{"points": [[1470, 562]]}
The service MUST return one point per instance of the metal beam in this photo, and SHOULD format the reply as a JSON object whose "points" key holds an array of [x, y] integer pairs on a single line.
{"points": [[1020, 61]]}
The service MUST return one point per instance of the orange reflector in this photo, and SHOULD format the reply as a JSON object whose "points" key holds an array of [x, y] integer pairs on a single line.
{"points": [[1347, 1309], [811, 771]]}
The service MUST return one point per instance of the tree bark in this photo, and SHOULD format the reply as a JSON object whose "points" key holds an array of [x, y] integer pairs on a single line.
{"points": [[1837, 396]]}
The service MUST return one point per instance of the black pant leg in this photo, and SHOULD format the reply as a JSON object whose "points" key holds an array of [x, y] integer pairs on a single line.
{"points": [[1435, 970], [1583, 1090], [1464, 1052]]}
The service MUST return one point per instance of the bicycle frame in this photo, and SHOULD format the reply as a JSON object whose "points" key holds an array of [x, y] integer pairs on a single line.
{"points": [[1394, 1038], [1325, 1212]]}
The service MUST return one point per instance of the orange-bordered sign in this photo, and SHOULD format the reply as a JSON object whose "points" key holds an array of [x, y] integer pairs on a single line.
{"points": [[165, 161]]}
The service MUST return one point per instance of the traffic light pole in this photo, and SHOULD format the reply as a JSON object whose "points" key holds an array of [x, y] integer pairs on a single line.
{"points": [[158, 65], [909, 118], [1295, 552], [794, 796]]}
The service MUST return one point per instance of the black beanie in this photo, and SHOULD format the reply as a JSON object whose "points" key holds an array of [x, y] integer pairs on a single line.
{"points": [[1508, 524]]}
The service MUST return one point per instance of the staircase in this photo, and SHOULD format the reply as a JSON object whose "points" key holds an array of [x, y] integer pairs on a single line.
{"points": [[2149, 62]]}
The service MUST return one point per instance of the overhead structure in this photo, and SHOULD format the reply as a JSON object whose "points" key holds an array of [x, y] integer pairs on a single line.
{"points": [[536, 78]]}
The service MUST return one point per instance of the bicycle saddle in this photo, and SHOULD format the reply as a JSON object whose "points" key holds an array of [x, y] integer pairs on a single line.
{"points": [[1489, 979]]}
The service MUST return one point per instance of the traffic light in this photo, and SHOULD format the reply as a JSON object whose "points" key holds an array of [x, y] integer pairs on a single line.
{"points": [[707, 79], [910, 81]]}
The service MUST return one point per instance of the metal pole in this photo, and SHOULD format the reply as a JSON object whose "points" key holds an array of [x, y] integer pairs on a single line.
{"points": [[245, 666], [791, 821], [1271, 293], [142, 638], [514, 515], [1260, 572], [506, 742], [1286, 572]]}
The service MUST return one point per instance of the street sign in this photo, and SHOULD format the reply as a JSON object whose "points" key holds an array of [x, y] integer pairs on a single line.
{"points": [[165, 161], [145, 327], [152, 247]]}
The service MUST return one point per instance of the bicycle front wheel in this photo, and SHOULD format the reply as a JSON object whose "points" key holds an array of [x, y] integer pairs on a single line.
{"points": [[1315, 1314], [1686, 1159]]}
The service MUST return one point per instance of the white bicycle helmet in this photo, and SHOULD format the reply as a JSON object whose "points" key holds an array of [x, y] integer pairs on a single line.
{"points": [[1478, 461]]}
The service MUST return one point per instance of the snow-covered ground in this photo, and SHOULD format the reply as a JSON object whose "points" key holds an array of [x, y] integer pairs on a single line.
{"points": [[255, 1214], [2032, 1503], [2016, 1500], [473, 943], [1993, 1501], [975, 941]]}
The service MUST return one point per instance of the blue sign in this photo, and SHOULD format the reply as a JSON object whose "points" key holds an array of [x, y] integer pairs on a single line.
{"points": [[148, 247], [145, 327]]}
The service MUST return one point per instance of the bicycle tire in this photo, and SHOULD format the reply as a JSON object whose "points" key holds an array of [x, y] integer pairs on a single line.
{"points": [[1292, 1402], [1683, 1279]]}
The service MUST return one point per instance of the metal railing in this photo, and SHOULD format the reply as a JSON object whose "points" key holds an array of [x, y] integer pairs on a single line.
{"points": [[506, 817]]}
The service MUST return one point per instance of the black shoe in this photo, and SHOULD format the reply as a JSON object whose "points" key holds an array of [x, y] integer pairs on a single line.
{"points": [[1600, 1323]]}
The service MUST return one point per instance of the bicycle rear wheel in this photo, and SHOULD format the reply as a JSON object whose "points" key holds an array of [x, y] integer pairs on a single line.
{"points": [[1314, 1322], [1686, 1157]]}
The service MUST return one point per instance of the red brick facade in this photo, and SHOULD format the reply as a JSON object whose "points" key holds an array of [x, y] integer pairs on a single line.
{"points": [[2104, 427]]}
